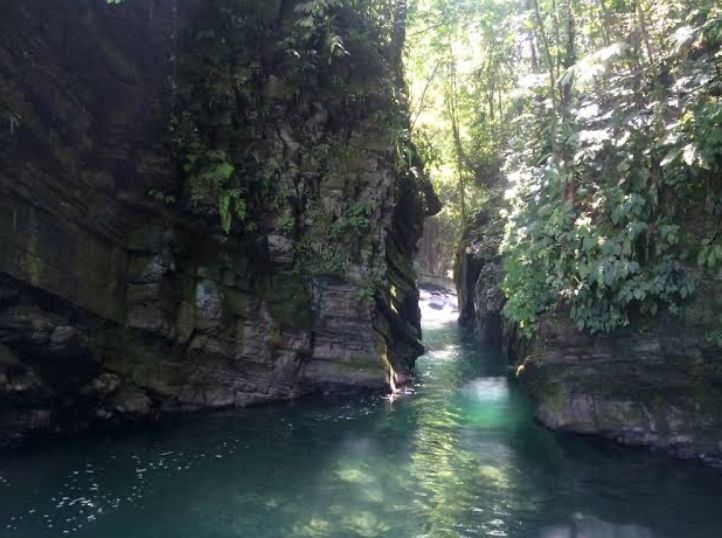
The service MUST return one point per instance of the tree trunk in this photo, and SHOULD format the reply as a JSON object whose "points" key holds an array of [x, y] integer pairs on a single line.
{"points": [[453, 116], [398, 39], [552, 77]]}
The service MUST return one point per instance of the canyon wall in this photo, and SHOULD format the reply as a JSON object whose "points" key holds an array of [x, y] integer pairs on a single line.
{"points": [[123, 292], [657, 383]]}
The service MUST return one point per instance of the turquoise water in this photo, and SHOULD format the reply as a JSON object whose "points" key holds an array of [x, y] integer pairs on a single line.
{"points": [[459, 457]]}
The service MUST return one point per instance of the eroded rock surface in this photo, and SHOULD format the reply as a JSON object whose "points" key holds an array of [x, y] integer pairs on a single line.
{"points": [[478, 276], [657, 384], [116, 303]]}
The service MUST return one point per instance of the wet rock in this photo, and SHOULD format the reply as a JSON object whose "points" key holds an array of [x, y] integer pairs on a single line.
{"points": [[16, 379], [132, 401], [209, 304], [659, 387], [103, 385], [68, 340], [280, 248]]}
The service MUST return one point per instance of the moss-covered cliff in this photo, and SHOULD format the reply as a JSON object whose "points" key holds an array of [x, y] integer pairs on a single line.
{"points": [[202, 205], [610, 258], [656, 383]]}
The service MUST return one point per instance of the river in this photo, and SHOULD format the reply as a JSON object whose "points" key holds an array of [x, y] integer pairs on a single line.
{"points": [[460, 457]]}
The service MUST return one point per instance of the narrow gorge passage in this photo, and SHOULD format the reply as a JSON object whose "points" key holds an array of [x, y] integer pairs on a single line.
{"points": [[461, 456]]}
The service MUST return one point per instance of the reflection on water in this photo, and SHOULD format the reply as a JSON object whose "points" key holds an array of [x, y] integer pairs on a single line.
{"points": [[591, 527], [461, 457]]}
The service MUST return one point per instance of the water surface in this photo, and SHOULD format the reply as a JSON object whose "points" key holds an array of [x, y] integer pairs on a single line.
{"points": [[460, 457]]}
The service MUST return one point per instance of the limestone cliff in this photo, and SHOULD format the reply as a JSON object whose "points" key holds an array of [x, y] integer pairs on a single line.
{"points": [[478, 275], [121, 295], [659, 385], [656, 384]]}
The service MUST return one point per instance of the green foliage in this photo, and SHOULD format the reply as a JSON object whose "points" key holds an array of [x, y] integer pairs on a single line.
{"points": [[602, 227], [211, 174], [372, 283], [162, 197], [332, 242], [288, 300], [604, 121], [251, 126], [458, 64]]}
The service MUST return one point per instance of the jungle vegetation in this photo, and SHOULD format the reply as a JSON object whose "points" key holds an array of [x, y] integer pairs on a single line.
{"points": [[592, 130], [589, 130]]}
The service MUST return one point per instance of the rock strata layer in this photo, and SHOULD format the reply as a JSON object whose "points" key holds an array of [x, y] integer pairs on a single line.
{"points": [[657, 384], [118, 301]]}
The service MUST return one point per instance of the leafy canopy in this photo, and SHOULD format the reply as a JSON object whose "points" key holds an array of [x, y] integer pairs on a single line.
{"points": [[602, 122]]}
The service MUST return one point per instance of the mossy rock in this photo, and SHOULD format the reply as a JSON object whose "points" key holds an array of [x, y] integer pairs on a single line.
{"points": [[235, 302], [360, 364], [288, 299]]}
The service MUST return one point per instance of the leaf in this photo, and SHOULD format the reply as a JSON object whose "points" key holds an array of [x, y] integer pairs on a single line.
{"points": [[306, 7], [224, 171], [610, 275], [224, 209], [589, 242], [689, 154], [671, 156], [306, 22]]}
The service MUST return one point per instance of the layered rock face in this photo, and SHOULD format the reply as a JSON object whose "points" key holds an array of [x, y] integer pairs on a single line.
{"points": [[478, 276], [120, 294], [657, 384]]}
